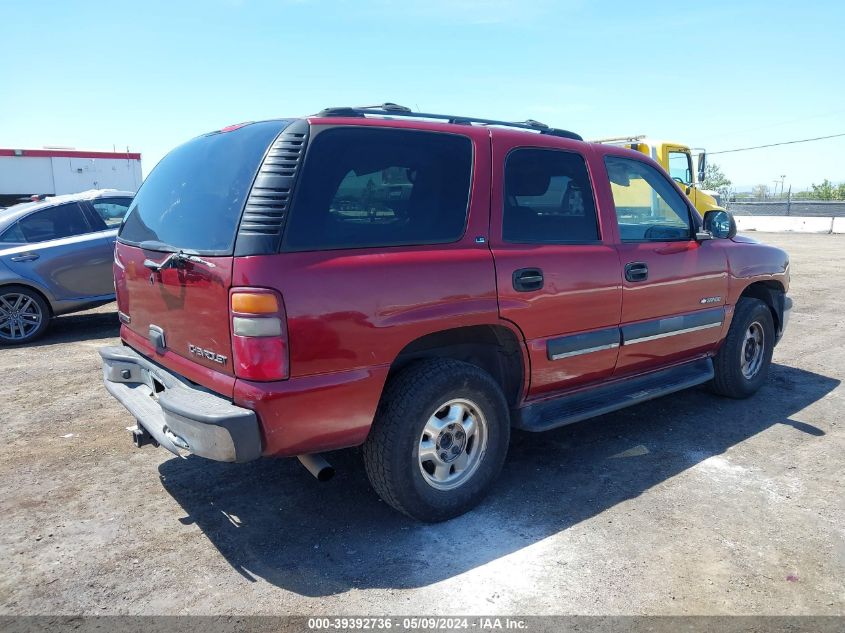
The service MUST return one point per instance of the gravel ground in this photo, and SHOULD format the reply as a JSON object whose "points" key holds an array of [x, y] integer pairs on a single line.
{"points": [[690, 504]]}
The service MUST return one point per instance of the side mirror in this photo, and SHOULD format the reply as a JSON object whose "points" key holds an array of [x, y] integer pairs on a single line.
{"points": [[702, 166], [720, 224]]}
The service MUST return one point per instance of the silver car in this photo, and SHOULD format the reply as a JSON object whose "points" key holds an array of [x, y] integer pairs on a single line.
{"points": [[56, 257]]}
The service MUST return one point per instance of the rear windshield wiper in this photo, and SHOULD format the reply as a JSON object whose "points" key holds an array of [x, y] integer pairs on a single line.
{"points": [[176, 259], [155, 245]]}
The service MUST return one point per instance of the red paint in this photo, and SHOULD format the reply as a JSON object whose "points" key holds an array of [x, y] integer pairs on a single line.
{"points": [[232, 128], [186, 367], [316, 413], [349, 313], [678, 278], [582, 288], [67, 153], [191, 304]]}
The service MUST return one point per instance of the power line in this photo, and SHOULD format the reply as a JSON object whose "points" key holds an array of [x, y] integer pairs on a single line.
{"points": [[779, 124], [803, 140]]}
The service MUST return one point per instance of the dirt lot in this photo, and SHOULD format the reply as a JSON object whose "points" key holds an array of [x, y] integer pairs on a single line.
{"points": [[688, 504]]}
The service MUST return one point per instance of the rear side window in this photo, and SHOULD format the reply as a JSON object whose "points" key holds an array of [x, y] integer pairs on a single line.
{"points": [[111, 210], [13, 235], [363, 187], [194, 197], [548, 198], [65, 220]]}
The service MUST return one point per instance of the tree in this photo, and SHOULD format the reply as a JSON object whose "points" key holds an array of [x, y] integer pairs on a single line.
{"points": [[828, 191], [761, 192], [824, 191], [716, 180]]}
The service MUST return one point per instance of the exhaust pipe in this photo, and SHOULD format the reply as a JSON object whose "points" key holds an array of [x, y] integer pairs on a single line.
{"points": [[317, 466]]}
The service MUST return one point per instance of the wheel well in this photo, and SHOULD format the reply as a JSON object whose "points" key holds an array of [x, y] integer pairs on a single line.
{"points": [[32, 289], [493, 348], [771, 293]]}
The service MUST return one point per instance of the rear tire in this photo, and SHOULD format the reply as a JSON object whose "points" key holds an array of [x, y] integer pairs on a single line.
{"points": [[24, 315], [742, 364], [439, 439]]}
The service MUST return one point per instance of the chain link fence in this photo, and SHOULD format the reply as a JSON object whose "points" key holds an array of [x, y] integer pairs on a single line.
{"points": [[798, 208]]}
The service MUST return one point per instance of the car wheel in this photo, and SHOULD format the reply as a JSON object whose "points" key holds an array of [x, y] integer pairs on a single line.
{"points": [[439, 439], [742, 363], [24, 315]]}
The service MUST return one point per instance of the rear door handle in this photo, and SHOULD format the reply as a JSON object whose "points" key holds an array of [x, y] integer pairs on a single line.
{"points": [[636, 271], [25, 257], [527, 279]]}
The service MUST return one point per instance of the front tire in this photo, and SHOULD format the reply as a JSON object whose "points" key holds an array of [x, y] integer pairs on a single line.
{"points": [[742, 364], [24, 315], [439, 439]]}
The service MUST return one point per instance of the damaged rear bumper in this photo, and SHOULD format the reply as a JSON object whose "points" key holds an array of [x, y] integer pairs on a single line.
{"points": [[180, 416]]}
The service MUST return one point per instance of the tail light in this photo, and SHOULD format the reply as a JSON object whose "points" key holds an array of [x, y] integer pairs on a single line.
{"points": [[259, 334]]}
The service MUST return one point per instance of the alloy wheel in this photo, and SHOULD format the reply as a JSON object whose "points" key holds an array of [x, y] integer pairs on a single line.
{"points": [[753, 350], [20, 316], [452, 444]]}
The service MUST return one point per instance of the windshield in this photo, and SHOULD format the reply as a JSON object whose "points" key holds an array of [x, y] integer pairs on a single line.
{"points": [[194, 197]]}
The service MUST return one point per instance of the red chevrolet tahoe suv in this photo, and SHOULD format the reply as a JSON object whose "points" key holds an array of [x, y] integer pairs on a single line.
{"points": [[419, 284]]}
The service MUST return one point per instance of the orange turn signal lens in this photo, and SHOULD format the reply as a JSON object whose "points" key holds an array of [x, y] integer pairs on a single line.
{"points": [[254, 303]]}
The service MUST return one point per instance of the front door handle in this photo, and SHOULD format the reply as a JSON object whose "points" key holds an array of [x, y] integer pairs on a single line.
{"points": [[25, 257], [636, 271], [527, 279]]}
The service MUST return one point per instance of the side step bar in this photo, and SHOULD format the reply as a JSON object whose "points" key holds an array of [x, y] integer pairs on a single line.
{"points": [[550, 414]]}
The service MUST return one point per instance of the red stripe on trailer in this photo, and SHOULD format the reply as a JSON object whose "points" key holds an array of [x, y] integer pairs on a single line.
{"points": [[67, 153]]}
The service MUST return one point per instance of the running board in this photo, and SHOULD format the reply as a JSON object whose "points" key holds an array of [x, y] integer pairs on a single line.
{"points": [[550, 414]]}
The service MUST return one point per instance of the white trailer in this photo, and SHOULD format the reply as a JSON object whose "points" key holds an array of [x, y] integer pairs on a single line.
{"points": [[55, 171]]}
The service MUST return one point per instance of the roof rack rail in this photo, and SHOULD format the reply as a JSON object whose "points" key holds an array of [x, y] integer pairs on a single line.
{"points": [[619, 139], [393, 109]]}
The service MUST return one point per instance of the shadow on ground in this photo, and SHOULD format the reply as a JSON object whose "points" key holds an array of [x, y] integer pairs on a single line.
{"points": [[72, 328], [271, 519]]}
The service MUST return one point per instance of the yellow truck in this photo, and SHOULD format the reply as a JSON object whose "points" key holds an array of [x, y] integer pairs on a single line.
{"points": [[678, 160]]}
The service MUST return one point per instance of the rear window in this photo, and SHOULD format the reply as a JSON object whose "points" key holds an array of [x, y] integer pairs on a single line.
{"points": [[364, 187], [194, 197]]}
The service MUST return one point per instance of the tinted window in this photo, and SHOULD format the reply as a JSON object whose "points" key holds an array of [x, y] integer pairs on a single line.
{"points": [[194, 197], [64, 220], [373, 187], [111, 210], [680, 167], [648, 207], [13, 235], [548, 198]]}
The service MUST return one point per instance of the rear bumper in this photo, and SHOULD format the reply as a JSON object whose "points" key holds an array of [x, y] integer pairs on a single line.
{"points": [[180, 416]]}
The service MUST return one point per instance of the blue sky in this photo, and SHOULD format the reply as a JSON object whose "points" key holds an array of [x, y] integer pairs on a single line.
{"points": [[714, 74]]}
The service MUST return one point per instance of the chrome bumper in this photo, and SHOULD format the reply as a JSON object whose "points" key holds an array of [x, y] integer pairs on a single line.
{"points": [[180, 416]]}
